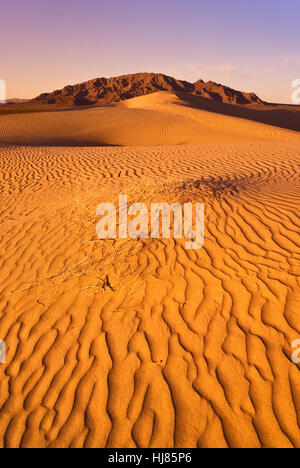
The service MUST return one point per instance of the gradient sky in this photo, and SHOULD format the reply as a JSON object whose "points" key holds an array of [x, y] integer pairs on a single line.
{"points": [[251, 45]]}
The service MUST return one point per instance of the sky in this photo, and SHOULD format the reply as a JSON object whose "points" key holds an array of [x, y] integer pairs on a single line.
{"points": [[250, 45]]}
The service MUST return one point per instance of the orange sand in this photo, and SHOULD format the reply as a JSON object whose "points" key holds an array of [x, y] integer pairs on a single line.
{"points": [[156, 119], [188, 349]]}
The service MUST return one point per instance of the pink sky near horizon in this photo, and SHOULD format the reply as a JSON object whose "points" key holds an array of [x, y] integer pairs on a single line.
{"points": [[249, 45]]}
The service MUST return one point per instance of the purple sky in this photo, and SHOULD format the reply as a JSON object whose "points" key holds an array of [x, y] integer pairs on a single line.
{"points": [[251, 45]]}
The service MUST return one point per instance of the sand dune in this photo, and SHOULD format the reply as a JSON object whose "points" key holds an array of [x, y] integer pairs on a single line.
{"points": [[183, 349], [157, 119]]}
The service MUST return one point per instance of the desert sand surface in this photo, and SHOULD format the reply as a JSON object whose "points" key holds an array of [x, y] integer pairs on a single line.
{"points": [[160, 118], [142, 343]]}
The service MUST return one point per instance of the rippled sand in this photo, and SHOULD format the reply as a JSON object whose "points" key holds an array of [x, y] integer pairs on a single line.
{"points": [[179, 348]]}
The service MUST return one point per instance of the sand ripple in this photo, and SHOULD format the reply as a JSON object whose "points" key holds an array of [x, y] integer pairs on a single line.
{"points": [[191, 349]]}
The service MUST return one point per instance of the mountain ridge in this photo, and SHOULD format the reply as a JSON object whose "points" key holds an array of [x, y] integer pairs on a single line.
{"points": [[106, 91]]}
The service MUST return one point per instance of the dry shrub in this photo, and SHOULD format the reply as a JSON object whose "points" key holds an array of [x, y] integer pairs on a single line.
{"points": [[113, 265]]}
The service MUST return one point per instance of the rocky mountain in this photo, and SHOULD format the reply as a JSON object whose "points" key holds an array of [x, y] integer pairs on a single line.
{"points": [[105, 91], [224, 94]]}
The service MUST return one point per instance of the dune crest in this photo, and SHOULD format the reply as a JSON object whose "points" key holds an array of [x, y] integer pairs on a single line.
{"points": [[160, 118]]}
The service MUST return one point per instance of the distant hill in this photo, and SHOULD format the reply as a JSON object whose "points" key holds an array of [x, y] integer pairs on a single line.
{"points": [[14, 101], [105, 91]]}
